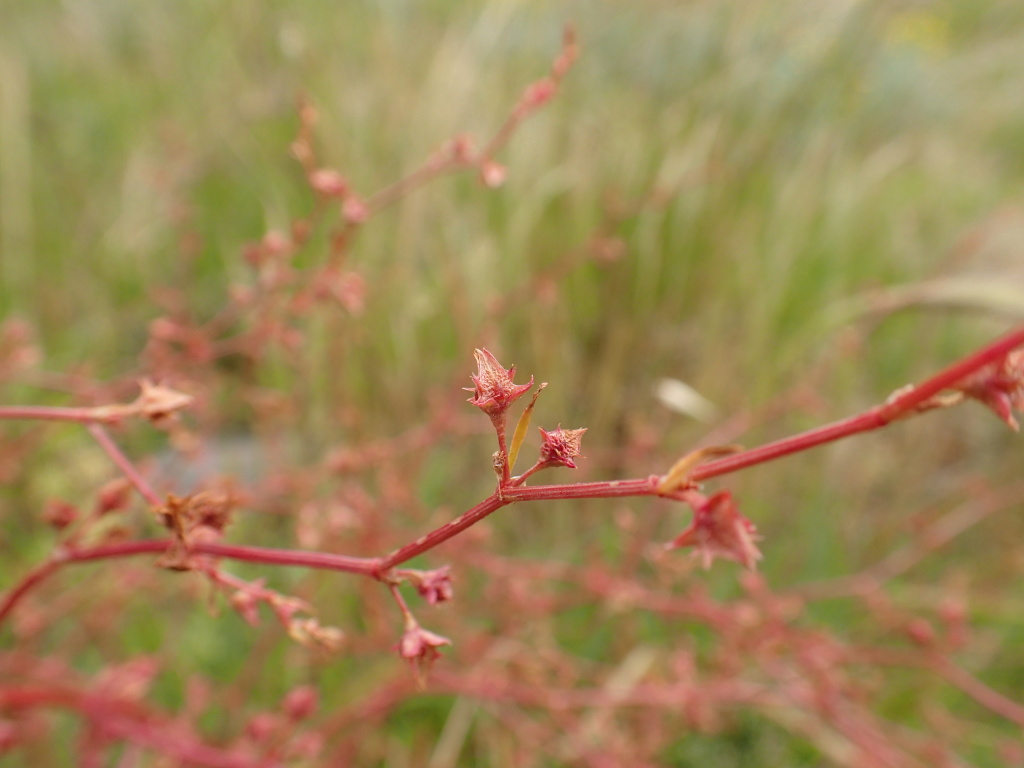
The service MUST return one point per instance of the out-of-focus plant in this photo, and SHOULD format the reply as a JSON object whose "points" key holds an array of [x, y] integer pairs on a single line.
{"points": [[765, 658]]}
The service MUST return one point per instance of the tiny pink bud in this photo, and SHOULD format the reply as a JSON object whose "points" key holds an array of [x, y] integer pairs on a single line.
{"points": [[1000, 386], [163, 328], [253, 255], [306, 746], [461, 148], [921, 633], [300, 702], [419, 647], [59, 513], [492, 174], [275, 243], [494, 391], [434, 586], [328, 183], [247, 607], [349, 288], [719, 530], [539, 93], [561, 446], [113, 496], [355, 210], [262, 726]]}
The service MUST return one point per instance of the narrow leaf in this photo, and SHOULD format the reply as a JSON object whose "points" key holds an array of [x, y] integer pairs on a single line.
{"points": [[520, 434], [679, 476]]}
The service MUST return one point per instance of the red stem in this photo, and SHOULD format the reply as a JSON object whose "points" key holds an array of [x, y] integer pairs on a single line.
{"points": [[48, 413], [875, 418], [124, 464], [472, 517], [35, 576], [319, 560], [130, 722], [608, 489]]}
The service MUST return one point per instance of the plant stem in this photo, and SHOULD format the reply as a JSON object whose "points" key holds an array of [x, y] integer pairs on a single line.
{"points": [[319, 560], [124, 464], [48, 413], [437, 536], [510, 492], [877, 417]]}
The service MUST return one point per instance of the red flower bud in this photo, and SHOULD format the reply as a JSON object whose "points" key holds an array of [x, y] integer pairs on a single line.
{"points": [[1000, 386], [494, 391], [59, 513], [538, 93], [419, 647], [434, 586], [492, 174], [719, 530], [113, 496], [355, 210], [300, 702], [560, 447], [328, 183]]}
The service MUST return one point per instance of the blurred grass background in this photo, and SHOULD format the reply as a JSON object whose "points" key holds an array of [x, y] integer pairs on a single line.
{"points": [[807, 206]]}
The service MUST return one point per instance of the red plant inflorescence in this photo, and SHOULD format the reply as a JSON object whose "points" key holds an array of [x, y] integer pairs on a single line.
{"points": [[798, 669]]}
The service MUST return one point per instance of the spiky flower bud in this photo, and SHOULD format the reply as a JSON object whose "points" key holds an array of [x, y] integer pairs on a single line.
{"points": [[1000, 386], [494, 390], [419, 647], [719, 530], [560, 447], [434, 586]]}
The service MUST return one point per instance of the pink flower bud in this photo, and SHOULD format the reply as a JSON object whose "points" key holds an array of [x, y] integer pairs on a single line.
{"points": [[461, 149], [492, 174], [539, 93], [1000, 386], [113, 496], [328, 183], [247, 607], [355, 210], [560, 447], [59, 513], [262, 726], [719, 530], [434, 586], [300, 702], [419, 647], [494, 391], [275, 243], [921, 633]]}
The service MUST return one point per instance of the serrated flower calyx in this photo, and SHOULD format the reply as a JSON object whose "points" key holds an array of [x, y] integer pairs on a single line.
{"points": [[494, 391], [560, 447]]}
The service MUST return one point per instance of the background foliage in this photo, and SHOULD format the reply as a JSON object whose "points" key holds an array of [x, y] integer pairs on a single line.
{"points": [[795, 208]]}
